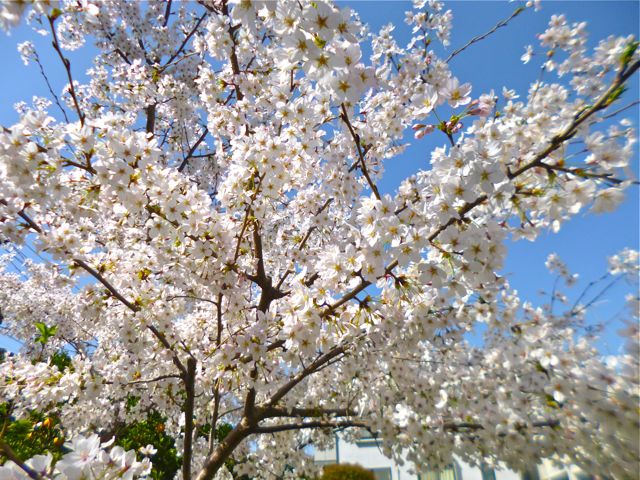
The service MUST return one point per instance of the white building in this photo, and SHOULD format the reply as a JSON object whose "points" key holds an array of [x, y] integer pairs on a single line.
{"points": [[365, 452]]}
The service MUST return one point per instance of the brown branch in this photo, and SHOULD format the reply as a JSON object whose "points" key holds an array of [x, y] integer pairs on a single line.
{"points": [[87, 167], [304, 373], [304, 241], [11, 455], [356, 139], [216, 459], [257, 242], [568, 133], [274, 412], [167, 12], [314, 424], [580, 172], [353, 293], [312, 228], [233, 57], [216, 392], [188, 408], [191, 297], [151, 118], [134, 308], [151, 380], [46, 79], [193, 149], [457, 427], [131, 306]]}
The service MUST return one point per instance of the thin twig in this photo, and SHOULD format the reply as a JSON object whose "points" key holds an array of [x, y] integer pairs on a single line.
{"points": [[185, 40], [67, 66], [476, 39], [620, 110], [46, 79]]}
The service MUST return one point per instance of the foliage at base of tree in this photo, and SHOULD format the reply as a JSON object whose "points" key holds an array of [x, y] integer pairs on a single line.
{"points": [[346, 471], [136, 435], [34, 435]]}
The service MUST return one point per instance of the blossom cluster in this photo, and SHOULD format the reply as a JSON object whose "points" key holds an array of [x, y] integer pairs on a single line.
{"points": [[87, 458], [206, 233]]}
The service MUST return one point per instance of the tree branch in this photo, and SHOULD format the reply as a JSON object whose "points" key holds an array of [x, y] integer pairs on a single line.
{"points": [[314, 424], [274, 412], [602, 103], [167, 12], [131, 306], [11, 455], [356, 139], [151, 118], [233, 57], [193, 149], [300, 376], [216, 459], [188, 408]]}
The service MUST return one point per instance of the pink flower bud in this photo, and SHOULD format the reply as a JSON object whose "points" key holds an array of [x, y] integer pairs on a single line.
{"points": [[457, 128], [424, 131], [483, 110]]}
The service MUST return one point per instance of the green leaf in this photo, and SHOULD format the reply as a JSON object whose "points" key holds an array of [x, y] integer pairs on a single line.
{"points": [[41, 327], [551, 401], [154, 209], [144, 274], [617, 93], [627, 53], [320, 43], [45, 332], [55, 13], [61, 360]]}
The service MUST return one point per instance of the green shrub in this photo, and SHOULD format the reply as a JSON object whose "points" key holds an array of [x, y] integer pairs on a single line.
{"points": [[345, 471], [34, 435], [135, 435]]}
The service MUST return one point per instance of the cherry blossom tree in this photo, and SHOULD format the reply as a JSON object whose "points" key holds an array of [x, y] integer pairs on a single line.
{"points": [[210, 240]]}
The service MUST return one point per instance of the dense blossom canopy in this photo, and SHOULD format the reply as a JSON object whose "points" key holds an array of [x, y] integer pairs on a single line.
{"points": [[211, 241]]}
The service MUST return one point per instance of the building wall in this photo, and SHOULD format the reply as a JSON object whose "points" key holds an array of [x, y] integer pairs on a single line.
{"points": [[367, 454]]}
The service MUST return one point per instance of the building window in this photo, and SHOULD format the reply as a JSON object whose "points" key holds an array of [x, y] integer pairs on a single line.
{"points": [[488, 473], [583, 476], [451, 472], [367, 440], [381, 473], [530, 474]]}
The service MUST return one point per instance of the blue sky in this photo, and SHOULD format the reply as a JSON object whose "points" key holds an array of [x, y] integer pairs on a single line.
{"points": [[584, 242]]}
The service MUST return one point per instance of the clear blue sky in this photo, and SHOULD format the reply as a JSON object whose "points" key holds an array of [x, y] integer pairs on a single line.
{"points": [[584, 243]]}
